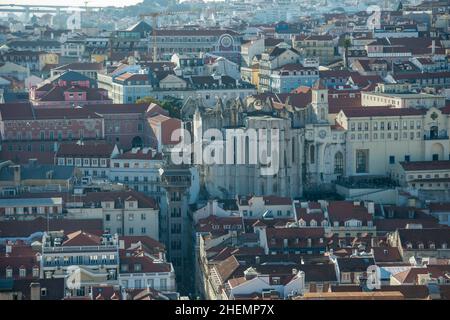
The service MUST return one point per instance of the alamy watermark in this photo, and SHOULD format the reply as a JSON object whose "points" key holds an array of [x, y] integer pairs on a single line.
{"points": [[73, 280], [258, 147], [373, 278]]}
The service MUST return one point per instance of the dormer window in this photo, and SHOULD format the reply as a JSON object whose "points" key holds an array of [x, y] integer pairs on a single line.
{"points": [[421, 245], [22, 272], [444, 246], [409, 245], [138, 267], [9, 272], [313, 223], [432, 246], [35, 272]]}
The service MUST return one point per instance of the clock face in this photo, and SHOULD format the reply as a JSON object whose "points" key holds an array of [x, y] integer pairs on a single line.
{"points": [[322, 134], [226, 41]]}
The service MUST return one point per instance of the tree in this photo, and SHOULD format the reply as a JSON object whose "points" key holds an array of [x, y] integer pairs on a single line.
{"points": [[347, 44], [171, 104], [148, 100]]}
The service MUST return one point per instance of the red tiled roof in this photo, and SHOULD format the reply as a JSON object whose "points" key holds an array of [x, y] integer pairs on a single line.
{"points": [[144, 201], [116, 108], [298, 100], [66, 113], [140, 155], [26, 228], [295, 233], [275, 200], [389, 225], [82, 238], [16, 263], [24, 111], [342, 211], [426, 165], [167, 125], [146, 264], [81, 66], [23, 157], [226, 268], [436, 207], [386, 254], [426, 236], [103, 150], [381, 112], [197, 32]]}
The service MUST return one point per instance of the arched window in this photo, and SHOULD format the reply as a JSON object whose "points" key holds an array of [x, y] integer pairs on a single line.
{"points": [[338, 163], [361, 161], [312, 154]]}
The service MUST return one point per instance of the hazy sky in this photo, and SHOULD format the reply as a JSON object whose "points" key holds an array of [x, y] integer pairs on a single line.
{"points": [[99, 3]]}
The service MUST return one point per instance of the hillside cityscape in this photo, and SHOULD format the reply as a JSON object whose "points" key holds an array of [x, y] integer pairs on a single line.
{"points": [[225, 150]]}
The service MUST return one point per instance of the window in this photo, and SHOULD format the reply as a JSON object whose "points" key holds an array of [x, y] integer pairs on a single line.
{"points": [[143, 230], [391, 159], [131, 231], [407, 158], [312, 152], [338, 163], [137, 283], [163, 284], [362, 161]]}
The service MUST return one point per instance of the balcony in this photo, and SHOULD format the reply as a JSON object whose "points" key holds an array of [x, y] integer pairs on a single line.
{"points": [[440, 136]]}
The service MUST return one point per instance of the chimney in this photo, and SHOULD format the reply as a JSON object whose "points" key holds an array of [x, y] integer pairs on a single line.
{"points": [[17, 177], [32, 162], [373, 242], [371, 207], [412, 202], [35, 291]]}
